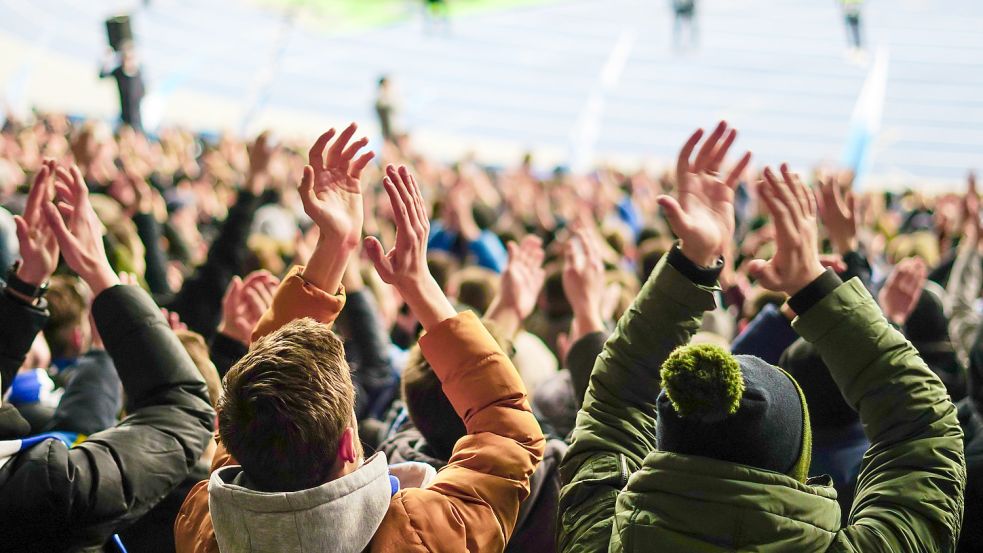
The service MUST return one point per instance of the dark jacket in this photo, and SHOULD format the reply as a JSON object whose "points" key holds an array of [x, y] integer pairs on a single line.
{"points": [[767, 336], [557, 400], [535, 529], [366, 350], [93, 397], [58, 499], [199, 303], [971, 538]]}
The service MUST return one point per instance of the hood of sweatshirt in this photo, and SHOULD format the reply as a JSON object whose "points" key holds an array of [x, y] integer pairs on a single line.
{"points": [[339, 516]]}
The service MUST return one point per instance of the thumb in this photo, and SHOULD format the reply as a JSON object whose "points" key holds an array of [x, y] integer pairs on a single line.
{"points": [[233, 290], [306, 188], [23, 234], [674, 213], [373, 248], [764, 272]]}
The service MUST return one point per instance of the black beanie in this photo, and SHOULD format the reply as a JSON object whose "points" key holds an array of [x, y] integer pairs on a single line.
{"points": [[733, 408], [928, 330], [827, 406]]}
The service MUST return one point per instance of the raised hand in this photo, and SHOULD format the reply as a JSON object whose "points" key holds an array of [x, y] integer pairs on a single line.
{"points": [[330, 188], [796, 262], [244, 303], [702, 214], [260, 153], [405, 265], [583, 282], [839, 214], [903, 288], [173, 320], [521, 283], [79, 231], [38, 245]]}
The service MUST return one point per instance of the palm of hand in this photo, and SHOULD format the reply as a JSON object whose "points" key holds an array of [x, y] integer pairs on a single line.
{"points": [[709, 206], [339, 202]]}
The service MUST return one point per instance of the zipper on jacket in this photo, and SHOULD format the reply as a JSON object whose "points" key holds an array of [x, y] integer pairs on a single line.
{"points": [[624, 470]]}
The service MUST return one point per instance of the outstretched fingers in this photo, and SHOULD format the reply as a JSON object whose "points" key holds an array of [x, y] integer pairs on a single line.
{"points": [[682, 162], [705, 155], [734, 177], [335, 157], [315, 156]]}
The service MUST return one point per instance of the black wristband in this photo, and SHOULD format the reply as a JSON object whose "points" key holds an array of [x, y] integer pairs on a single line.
{"points": [[23, 288], [704, 276], [814, 292]]}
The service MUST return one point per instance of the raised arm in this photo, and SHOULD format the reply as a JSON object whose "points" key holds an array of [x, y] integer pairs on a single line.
{"points": [[117, 475], [21, 308], [616, 426], [910, 489], [474, 501]]}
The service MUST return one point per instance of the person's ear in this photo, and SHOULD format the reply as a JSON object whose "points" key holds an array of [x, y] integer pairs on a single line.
{"points": [[347, 452], [77, 338]]}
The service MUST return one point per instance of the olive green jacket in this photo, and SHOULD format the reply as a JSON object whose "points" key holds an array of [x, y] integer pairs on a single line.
{"points": [[621, 494]]}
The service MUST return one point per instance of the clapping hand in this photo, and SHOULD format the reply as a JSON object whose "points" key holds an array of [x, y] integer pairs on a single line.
{"points": [[405, 265], [702, 214], [244, 303], [331, 193], [839, 214], [521, 283], [903, 288], [796, 262], [38, 245], [583, 282], [79, 231]]}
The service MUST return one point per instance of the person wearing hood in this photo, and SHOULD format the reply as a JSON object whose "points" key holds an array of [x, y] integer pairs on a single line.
{"points": [[689, 448], [289, 474]]}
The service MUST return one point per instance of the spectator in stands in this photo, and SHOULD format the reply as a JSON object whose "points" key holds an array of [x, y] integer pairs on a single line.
{"points": [[114, 476], [710, 435], [129, 79], [305, 452]]}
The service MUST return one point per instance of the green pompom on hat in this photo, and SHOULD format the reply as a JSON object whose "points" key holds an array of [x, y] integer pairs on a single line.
{"points": [[703, 380], [734, 408]]}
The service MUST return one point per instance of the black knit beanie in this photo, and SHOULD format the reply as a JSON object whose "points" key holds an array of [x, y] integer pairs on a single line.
{"points": [[827, 406], [733, 408]]}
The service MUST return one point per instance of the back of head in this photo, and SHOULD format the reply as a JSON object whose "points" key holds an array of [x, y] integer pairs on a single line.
{"points": [[68, 305], [427, 405], [737, 409], [476, 287], [827, 407], [285, 406]]}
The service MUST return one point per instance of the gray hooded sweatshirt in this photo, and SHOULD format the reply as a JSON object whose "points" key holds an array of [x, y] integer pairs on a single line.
{"points": [[339, 516]]}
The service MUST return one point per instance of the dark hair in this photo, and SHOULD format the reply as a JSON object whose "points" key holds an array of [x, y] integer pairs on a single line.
{"points": [[285, 406], [427, 405]]}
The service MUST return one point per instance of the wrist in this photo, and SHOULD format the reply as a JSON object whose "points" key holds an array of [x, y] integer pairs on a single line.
{"points": [[844, 245], [805, 279], [701, 258], [32, 275], [327, 263], [586, 323], [101, 279]]}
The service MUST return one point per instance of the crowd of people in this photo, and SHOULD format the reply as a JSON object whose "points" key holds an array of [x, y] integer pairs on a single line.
{"points": [[212, 345]]}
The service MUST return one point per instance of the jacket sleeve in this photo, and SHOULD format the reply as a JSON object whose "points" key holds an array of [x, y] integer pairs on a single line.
{"points": [[910, 490], [148, 229], [199, 303], [93, 397], [474, 502], [616, 426], [580, 362], [963, 289], [21, 324], [117, 475]]}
